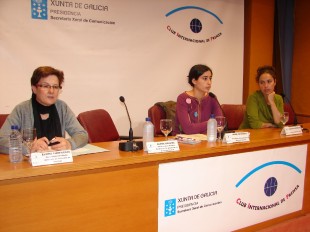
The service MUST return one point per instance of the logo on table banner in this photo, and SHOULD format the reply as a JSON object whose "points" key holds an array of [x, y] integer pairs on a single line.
{"points": [[170, 207], [190, 203], [270, 187], [198, 24], [39, 9]]}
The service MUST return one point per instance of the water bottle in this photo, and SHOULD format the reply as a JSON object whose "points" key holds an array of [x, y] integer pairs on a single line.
{"points": [[212, 129], [148, 132], [15, 145]]}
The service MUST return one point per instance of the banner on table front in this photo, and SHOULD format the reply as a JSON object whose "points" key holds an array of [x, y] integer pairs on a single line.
{"points": [[230, 192]]}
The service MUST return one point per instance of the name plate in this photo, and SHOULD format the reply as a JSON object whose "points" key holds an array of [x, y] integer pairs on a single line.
{"points": [[236, 137], [163, 146], [291, 130], [51, 157]]}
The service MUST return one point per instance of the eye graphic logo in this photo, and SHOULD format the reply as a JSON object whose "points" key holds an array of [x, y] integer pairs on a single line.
{"points": [[196, 25], [39, 9], [170, 207], [270, 187]]}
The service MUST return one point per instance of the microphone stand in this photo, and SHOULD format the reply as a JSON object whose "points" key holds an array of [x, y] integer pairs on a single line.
{"points": [[130, 145]]}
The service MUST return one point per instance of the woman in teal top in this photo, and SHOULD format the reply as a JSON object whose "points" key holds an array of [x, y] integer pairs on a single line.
{"points": [[264, 108]]}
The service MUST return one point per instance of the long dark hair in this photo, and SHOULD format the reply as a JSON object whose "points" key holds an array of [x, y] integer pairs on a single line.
{"points": [[265, 69], [196, 71]]}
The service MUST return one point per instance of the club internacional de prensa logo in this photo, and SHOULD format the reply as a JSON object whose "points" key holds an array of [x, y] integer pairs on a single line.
{"points": [[39, 9], [271, 185], [198, 25]]}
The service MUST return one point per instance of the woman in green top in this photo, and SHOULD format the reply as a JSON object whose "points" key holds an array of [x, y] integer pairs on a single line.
{"points": [[264, 108]]}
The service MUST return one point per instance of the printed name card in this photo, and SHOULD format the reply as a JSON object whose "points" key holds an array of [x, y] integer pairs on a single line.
{"points": [[291, 130], [163, 146], [51, 157], [236, 137]]}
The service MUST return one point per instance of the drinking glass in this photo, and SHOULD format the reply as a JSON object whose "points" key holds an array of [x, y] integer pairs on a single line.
{"points": [[29, 135], [221, 123], [284, 118], [166, 127]]}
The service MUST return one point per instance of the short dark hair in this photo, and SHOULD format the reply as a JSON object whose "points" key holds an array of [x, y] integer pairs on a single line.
{"points": [[45, 71], [265, 69], [196, 71]]}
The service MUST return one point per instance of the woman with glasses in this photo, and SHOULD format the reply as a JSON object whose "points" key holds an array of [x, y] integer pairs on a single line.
{"points": [[50, 116]]}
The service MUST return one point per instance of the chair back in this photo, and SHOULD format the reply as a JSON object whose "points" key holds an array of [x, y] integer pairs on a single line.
{"points": [[288, 108], [156, 113], [161, 110], [99, 125], [3, 118], [234, 114]]}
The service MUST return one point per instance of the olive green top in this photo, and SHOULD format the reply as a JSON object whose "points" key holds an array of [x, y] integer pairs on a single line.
{"points": [[259, 112]]}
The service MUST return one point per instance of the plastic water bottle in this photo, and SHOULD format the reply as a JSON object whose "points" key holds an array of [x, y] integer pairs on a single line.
{"points": [[148, 132], [15, 145], [212, 129]]}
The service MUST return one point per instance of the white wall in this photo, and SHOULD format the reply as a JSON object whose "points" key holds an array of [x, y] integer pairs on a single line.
{"points": [[137, 57]]}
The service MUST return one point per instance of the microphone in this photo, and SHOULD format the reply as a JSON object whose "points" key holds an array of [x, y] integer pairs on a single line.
{"points": [[122, 99], [288, 101], [214, 96], [130, 145]]}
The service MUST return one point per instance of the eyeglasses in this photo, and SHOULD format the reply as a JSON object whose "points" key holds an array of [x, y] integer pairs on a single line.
{"points": [[48, 87]]}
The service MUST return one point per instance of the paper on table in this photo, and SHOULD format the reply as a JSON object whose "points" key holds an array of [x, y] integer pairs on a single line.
{"points": [[88, 149], [201, 137]]}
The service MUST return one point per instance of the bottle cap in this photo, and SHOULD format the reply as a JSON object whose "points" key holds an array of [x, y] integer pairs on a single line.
{"points": [[212, 116], [148, 119]]}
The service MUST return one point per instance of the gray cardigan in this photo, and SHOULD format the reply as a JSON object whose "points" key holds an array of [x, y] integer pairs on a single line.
{"points": [[22, 116]]}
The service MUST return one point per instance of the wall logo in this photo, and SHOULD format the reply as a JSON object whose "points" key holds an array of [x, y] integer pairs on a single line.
{"points": [[70, 11], [170, 207], [196, 25], [39, 9], [270, 187]]}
